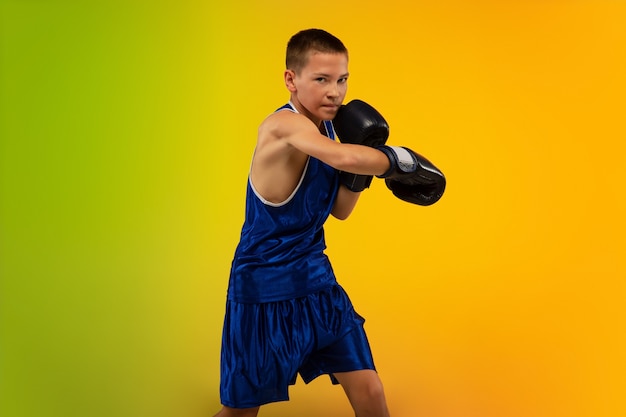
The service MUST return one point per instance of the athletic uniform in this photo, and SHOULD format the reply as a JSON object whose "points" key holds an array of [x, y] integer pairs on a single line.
{"points": [[285, 312]]}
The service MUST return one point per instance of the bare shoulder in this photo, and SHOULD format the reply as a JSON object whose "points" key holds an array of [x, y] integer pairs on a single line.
{"points": [[281, 135], [283, 125], [277, 165], [273, 134], [295, 132]]}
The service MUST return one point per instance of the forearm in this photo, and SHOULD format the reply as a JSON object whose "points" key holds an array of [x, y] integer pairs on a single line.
{"points": [[360, 159], [345, 203]]}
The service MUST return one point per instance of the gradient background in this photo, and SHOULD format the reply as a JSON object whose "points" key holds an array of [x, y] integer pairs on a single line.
{"points": [[126, 134]]}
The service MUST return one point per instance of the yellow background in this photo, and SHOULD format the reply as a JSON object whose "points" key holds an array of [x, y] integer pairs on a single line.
{"points": [[126, 134]]}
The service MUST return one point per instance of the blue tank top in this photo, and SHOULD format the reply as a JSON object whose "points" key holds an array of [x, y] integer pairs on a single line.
{"points": [[281, 251]]}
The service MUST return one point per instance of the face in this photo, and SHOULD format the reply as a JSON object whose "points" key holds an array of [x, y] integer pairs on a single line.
{"points": [[319, 88]]}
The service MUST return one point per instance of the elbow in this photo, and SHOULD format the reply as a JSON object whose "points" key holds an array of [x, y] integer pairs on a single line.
{"points": [[341, 216], [341, 212], [345, 203]]}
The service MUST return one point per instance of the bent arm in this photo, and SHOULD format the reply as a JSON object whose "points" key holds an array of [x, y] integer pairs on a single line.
{"points": [[302, 134]]}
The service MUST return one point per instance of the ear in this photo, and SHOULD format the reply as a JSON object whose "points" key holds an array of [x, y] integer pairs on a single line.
{"points": [[290, 77]]}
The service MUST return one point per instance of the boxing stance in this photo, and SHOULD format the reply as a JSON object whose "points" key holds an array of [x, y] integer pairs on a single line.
{"points": [[286, 314]]}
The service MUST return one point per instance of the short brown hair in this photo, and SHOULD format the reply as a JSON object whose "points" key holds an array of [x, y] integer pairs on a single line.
{"points": [[308, 40]]}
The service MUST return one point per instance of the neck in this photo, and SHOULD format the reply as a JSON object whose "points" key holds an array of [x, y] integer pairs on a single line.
{"points": [[303, 111]]}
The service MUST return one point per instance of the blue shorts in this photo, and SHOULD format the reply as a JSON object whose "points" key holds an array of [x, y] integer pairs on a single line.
{"points": [[265, 346]]}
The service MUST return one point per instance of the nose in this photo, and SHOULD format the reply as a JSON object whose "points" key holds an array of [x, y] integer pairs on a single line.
{"points": [[333, 90]]}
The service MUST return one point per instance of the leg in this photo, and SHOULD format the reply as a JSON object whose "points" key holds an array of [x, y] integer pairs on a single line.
{"points": [[365, 392], [237, 412]]}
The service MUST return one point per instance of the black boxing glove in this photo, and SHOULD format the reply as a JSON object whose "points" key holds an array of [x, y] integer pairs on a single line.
{"points": [[411, 177], [359, 123]]}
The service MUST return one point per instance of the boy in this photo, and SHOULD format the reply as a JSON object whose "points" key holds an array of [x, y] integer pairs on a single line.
{"points": [[285, 312]]}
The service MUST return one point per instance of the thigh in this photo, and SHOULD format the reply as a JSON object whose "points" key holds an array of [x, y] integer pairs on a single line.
{"points": [[358, 380]]}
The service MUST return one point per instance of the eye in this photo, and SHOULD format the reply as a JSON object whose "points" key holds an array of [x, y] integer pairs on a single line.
{"points": [[320, 79], [343, 80]]}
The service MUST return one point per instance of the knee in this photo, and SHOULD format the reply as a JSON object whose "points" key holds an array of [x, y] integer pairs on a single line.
{"points": [[370, 400], [374, 390], [365, 392], [368, 391]]}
